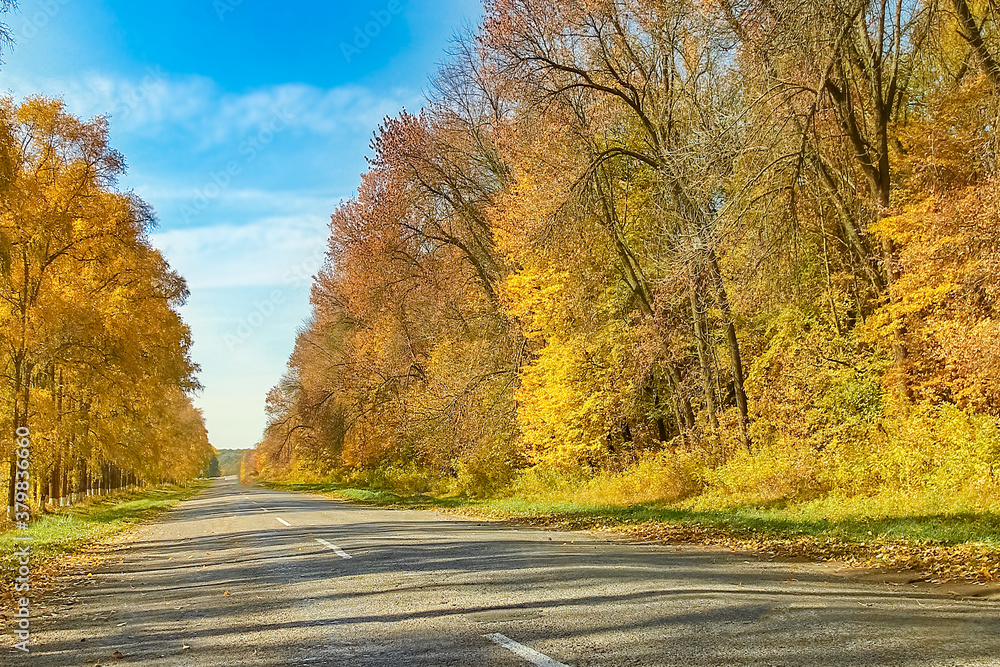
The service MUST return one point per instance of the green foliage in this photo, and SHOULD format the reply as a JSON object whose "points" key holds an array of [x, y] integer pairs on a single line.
{"points": [[212, 469], [230, 460]]}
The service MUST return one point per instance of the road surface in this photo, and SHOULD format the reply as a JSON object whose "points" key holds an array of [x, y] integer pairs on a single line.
{"points": [[242, 576]]}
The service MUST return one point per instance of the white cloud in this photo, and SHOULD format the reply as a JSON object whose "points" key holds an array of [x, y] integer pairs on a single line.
{"points": [[263, 231], [275, 250], [232, 198], [157, 100]]}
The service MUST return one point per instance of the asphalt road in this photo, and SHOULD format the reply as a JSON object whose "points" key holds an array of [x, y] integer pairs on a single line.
{"points": [[252, 577]]}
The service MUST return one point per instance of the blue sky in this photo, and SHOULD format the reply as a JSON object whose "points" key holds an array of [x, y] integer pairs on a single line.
{"points": [[244, 123]]}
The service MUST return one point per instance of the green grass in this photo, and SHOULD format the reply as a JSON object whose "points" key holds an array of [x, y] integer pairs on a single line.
{"points": [[780, 522], [846, 521], [77, 526]]}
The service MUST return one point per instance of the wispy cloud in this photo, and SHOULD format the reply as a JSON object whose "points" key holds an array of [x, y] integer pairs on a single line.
{"points": [[259, 254], [155, 101]]}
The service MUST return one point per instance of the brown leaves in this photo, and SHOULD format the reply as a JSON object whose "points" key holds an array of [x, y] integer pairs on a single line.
{"points": [[962, 562]]}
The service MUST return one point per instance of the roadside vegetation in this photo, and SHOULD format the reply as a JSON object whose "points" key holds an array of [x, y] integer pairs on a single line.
{"points": [[729, 264], [225, 462], [886, 534], [73, 529], [95, 359]]}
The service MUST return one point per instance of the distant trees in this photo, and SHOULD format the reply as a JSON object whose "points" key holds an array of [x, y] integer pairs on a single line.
{"points": [[230, 461], [93, 353], [722, 230], [212, 470]]}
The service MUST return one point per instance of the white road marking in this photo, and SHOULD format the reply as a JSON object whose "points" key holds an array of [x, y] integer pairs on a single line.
{"points": [[337, 550], [282, 520], [531, 655]]}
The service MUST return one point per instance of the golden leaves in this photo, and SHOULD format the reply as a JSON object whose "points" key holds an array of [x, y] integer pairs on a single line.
{"points": [[87, 305]]}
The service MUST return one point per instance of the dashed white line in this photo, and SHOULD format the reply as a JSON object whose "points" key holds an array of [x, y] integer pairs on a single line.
{"points": [[531, 655], [259, 506], [337, 550], [282, 521]]}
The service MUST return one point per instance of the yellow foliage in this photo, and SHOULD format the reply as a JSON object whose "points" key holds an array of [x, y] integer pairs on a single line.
{"points": [[664, 477]]}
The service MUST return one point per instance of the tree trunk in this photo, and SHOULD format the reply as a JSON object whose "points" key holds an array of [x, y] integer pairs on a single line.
{"points": [[64, 498], [22, 397], [739, 377], [698, 319], [682, 403], [972, 33]]}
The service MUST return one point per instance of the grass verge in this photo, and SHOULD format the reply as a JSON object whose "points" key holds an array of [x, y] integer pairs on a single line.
{"points": [[959, 546], [73, 528]]}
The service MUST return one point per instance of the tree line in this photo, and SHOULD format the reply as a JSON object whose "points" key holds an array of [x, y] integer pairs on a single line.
{"points": [[94, 356], [728, 233]]}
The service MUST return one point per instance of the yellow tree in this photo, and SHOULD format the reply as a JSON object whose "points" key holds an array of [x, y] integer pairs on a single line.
{"points": [[77, 270], [644, 86]]}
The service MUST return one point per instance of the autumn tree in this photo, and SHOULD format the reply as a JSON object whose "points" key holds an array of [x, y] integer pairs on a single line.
{"points": [[636, 79], [749, 241], [92, 345]]}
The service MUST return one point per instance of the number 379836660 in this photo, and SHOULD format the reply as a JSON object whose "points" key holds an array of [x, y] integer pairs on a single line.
{"points": [[22, 475]]}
